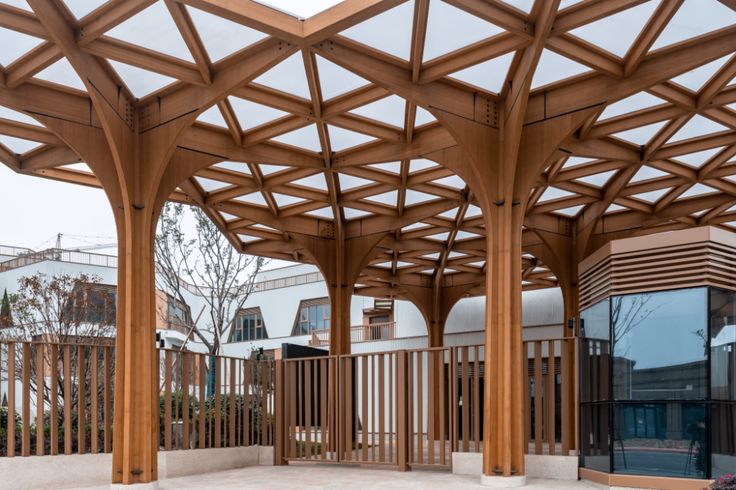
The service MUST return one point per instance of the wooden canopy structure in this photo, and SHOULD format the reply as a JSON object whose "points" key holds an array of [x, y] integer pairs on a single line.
{"points": [[422, 149]]}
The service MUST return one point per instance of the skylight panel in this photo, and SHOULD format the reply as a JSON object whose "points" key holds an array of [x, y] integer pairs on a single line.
{"points": [[473, 211], [348, 182], [598, 180], [352, 213], [417, 197], [697, 190], [449, 214], [423, 117], [697, 126], [552, 193], [288, 76], [646, 173], [210, 185], [247, 238], [414, 226], [306, 137], [234, 167], [21, 4], [335, 80], [393, 167], [300, 8], [316, 181], [283, 200], [389, 31], [222, 37], [553, 67], [439, 236], [652, 196], [615, 33], [390, 198], [213, 116], [696, 78], [451, 181], [141, 82], [325, 212], [489, 75], [267, 169], [694, 18], [154, 29], [698, 158], [421, 164], [450, 28], [636, 102], [570, 212], [523, 5], [574, 161], [15, 45], [62, 73], [80, 166], [81, 8], [432, 256], [253, 198], [12, 115], [389, 110], [641, 135], [614, 208], [18, 145], [342, 139], [251, 114], [227, 216]]}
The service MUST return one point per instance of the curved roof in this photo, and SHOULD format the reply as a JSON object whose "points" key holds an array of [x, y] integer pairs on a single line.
{"points": [[321, 135]]}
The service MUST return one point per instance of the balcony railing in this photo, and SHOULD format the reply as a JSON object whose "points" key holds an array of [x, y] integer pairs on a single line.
{"points": [[60, 255], [359, 333]]}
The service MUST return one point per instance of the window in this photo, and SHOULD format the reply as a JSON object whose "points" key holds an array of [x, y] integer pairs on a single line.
{"points": [[313, 315], [95, 304], [176, 314], [248, 326]]}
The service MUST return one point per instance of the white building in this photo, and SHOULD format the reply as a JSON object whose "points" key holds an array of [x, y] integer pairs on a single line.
{"points": [[290, 305]]}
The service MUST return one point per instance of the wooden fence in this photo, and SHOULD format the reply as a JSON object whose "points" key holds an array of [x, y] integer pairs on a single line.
{"points": [[414, 408], [58, 399]]}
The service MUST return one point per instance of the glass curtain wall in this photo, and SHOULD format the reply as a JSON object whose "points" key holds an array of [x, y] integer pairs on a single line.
{"points": [[657, 383]]}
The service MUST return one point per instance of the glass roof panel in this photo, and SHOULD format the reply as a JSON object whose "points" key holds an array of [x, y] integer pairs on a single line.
{"points": [[316, 181], [141, 82], [306, 137], [646, 173], [451, 181], [285, 199], [695, 79], [267, 169], [642, 134], [213, 116], [348, 182], [553, 67], [352, 213], [473, 212], [697, 190], [18, 145], [439, 236], [390, 198], [449, 214], [62, 73], [21, 4], [389, 110], [80, 8], [335, 80], [341, 139], [523, 5], [251, 114], [698, 158], [697, 126], [414, 226], [222, 37], [210, 185], [449, 29], [423, 117], [288, 76], [552, 193], [571, 211], [614, 207], [83, 167], [598, 180], [636, 102], [652, 196], [389, 31], [574, 161], [300, 8], [234, 166], [421, 164], [322, 213], [154, 29], [253, 198], [489, 75], [247, 238], [416, 197], [393, 167], [15, 44], [693, 18], [617, 32], [12, 115]]}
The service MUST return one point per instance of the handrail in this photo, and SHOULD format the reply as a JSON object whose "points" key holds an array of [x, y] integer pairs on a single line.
{"points": [[358, 333], [60, 255]]}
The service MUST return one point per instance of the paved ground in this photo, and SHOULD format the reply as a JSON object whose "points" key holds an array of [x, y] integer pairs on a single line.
{"points": [[341, 477]]}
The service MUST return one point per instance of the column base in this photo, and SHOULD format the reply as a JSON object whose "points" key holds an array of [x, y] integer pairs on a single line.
{"points": [[135, 486], [502, 481]]}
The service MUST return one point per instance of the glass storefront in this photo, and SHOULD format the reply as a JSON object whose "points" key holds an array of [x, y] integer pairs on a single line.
{"points": [[658, 384]]}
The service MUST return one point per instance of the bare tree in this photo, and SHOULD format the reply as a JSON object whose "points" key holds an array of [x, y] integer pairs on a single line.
{"points": [[206, 265]]}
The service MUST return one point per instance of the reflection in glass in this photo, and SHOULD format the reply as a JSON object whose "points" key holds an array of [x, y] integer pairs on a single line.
{"points": [[723, 344], [659, 345], [594, 437], [660, 439], [595, 352], [723, 438]]}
